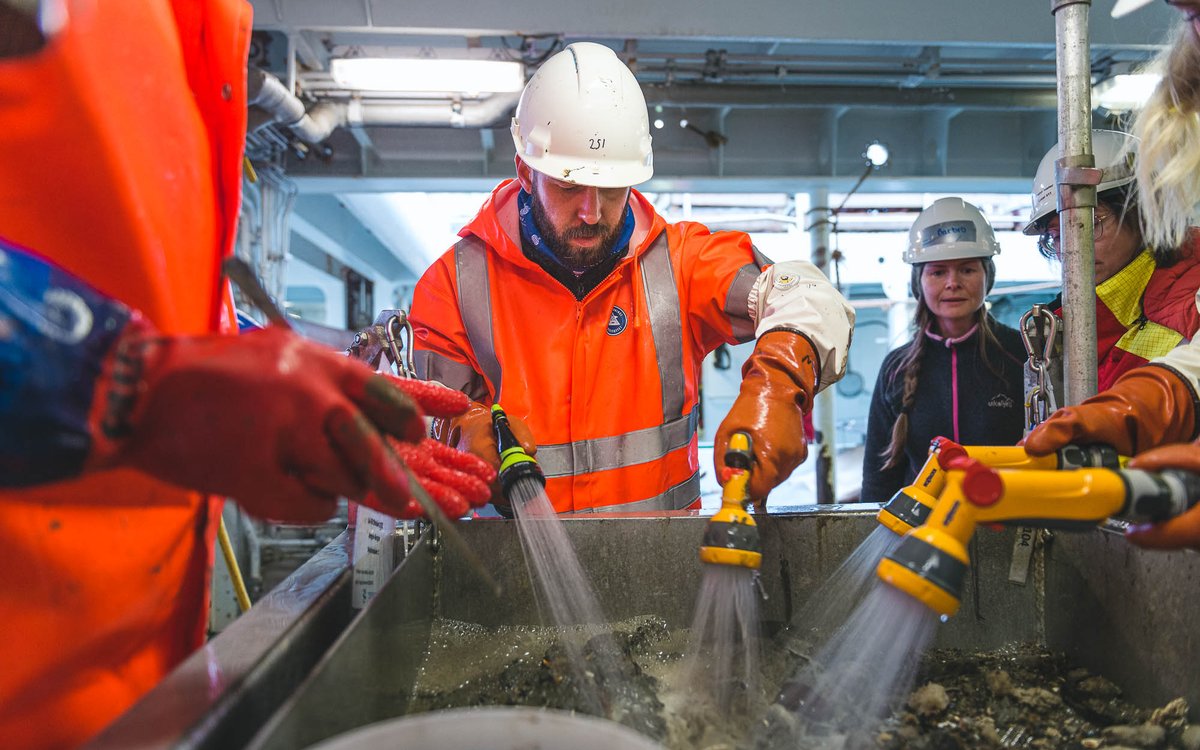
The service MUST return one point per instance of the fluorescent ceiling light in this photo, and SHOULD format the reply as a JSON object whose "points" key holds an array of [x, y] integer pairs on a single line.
{"points": [[1125, 92], [396, 74]]}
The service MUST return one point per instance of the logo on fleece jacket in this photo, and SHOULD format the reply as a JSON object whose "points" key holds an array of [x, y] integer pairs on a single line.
{"points": [[1001, 401]]}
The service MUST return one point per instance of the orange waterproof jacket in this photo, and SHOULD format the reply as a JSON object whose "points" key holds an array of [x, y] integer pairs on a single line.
{"points": [[609, 385], [122, 142]]}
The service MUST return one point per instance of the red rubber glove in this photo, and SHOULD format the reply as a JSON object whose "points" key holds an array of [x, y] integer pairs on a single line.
{"points": [[1145, 408], [455, 480], [1181, 531], [778, 383], [471, 432], [282, 425]]}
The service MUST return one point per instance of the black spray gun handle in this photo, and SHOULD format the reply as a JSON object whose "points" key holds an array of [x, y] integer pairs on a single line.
{"points": [[1093, 456], [1155, 496]]}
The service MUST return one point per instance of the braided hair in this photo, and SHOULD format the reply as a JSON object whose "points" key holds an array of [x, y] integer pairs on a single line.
{"points": [[910, 362]]}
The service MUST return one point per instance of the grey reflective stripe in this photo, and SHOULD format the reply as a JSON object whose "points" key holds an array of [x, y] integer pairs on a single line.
{"points": [[628, 449], [677, 498], [456, 375], [475, 305], [760, 259], [737, 302], [666, 324]]}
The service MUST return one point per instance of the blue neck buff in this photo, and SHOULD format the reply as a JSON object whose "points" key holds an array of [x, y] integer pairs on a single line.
{"points": [[533, 236]]}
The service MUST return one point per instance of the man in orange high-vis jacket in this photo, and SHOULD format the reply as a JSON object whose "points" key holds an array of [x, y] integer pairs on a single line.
{"points": [[574, 305], [122, 127]]}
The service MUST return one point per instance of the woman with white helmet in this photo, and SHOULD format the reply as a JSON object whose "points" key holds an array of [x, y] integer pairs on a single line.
{"points": [[1144, 293], [960, 376]]}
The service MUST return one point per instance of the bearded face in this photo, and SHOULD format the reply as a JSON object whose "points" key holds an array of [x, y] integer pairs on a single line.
{"points": [[580, 224]]}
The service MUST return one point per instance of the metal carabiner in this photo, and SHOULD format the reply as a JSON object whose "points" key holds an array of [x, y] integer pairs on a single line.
{"points": [[1037, 407], [401, 355], [1045, 338]]}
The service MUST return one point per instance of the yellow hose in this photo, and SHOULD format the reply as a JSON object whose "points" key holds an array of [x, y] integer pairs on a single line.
{"points": [[235, 573]]}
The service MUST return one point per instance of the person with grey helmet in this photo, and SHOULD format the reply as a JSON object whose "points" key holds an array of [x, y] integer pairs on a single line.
{"points": [[1152, 413], [960, 376], [1144, 293]]}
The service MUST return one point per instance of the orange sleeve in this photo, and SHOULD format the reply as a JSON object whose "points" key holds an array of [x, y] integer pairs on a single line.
{"points": [[717, 270]]}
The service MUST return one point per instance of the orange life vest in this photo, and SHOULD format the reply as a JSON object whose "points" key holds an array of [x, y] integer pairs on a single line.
{"points": [[609, 385], [122, 142]]}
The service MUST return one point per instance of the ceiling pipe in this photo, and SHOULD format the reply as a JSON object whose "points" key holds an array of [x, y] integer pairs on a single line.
{"points": [[471, 113], [276, 104], [271, 97]]}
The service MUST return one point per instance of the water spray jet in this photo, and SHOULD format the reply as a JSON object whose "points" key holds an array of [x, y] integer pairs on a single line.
{"points": [[723, 655]]}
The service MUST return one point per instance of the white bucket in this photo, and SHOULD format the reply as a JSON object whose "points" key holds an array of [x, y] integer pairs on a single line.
{"points": [[492, 728]]}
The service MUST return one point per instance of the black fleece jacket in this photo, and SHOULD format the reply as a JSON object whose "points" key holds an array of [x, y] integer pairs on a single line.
{"points": [[991, 407]]}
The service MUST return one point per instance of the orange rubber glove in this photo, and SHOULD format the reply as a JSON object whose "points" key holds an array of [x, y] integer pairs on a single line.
{"points": [[471, 432], [1145, 408], [778, 384], [1183, 530], [281, 424]]}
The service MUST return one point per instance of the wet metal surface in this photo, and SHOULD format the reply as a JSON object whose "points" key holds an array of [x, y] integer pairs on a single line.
{"points": [[1124, 613], [1129, 614], [650, 565], [638, 565], [369, 672]]}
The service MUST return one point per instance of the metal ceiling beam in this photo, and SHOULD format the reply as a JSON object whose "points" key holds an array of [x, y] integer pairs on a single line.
{"points": [[763, 97]]}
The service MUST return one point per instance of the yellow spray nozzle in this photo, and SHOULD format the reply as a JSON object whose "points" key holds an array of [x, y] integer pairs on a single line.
{"points": [[930, 562], [910, 506], [731, 536], [929, 566]]}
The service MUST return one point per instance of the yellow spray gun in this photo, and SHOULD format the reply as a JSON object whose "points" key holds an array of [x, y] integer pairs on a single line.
{"points": [[930, 562], [731, 536], [911, 505]]}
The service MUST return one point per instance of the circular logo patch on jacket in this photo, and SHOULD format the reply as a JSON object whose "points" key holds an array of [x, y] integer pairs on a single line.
{"points": [[786, 281], [617, 321]]}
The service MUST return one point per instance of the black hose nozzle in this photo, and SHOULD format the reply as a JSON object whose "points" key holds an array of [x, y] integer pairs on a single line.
{"points": [[515, 463]]}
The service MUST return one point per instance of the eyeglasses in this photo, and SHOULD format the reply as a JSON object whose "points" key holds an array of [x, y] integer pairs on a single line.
{"points": [[1050, 241]]}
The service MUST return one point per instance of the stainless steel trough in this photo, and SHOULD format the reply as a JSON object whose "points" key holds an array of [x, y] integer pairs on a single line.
{"points": [[301, 667]]}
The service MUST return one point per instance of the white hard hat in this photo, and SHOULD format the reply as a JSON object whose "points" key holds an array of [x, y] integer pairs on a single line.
{"points": [[950, 229], [1125, 7], [1113, 151], [582, 118]]}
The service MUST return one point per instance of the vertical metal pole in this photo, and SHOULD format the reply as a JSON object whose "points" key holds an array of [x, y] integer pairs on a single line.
{"points": [[1077, 178], [823, 404]]}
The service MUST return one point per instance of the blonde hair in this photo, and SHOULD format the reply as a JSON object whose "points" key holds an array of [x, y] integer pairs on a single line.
{"points": [[1168, 160]]}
